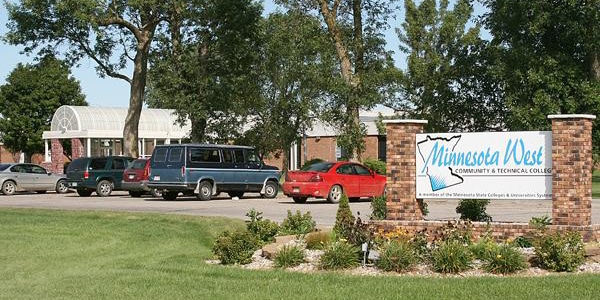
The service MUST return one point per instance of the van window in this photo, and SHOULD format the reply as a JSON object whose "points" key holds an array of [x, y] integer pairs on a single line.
{"points": [[252, 157], [160, 155], [205, 155], [175, 155], [228, 156], [97, 163], [239, 156]]}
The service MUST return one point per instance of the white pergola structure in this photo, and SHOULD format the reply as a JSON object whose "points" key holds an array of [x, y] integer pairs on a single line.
{"points": [[98, 131]]}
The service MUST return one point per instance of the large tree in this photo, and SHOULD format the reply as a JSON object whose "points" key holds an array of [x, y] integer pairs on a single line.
{"points": [[449, 79], [296, 64], [204, 67], [549, 58], [355, 29], [111, 33], [29, 99]]}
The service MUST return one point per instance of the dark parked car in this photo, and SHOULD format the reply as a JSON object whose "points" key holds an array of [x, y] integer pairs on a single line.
{"points": [[30, 177], [97, 174], [135, 179]]}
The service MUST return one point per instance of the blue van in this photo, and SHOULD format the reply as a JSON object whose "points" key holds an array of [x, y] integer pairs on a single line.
{"points": [[206, 170]]}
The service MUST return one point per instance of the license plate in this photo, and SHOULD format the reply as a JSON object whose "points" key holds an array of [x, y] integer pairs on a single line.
{"points": [[73, 183], [131, 176], [296, 190], [157, 177]]}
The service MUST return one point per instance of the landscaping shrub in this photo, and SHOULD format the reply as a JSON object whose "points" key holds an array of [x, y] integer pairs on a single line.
{"points": [[420, 245], [343, 218], [264, 229], [375, 165], [484, 248], [540, 222], [522, 242], [396, 256], [451, 257], [378, 208], [289, 256], [455, 230], [317, 240], [504, 259], [340, 255], [297, 223], [559, 252], [235, 247], [473, 210]]}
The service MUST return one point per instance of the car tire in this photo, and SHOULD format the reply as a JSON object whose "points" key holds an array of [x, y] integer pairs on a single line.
{"points": [[156, 193], [170, 196], [104, 188], [61, 187], [235, 194], [135, 194], [335, 194], [9, 187], [205, 191], [271, 189], [84, 193], [300, 200]]}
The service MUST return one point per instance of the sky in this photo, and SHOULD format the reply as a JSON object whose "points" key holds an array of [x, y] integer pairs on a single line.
{"points": [[112, 92]]}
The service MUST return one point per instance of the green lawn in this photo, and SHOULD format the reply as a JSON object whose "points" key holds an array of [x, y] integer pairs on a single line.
{"points": [[48, 254], [596, 184]]}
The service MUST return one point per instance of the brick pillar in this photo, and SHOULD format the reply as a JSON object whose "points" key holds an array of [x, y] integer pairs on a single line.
{"points": [[57, 157], [401, 152], [572, 167], [77, 149]]}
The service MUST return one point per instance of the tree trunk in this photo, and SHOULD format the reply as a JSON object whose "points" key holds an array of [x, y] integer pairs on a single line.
{"points": [[594, 66], [136, 98], [198, 129]]}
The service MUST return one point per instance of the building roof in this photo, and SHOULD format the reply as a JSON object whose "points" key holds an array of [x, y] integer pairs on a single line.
{"points": [[104, 122]]}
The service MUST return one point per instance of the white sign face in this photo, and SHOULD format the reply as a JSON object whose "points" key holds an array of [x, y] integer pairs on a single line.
{"points": [[485, 165]]}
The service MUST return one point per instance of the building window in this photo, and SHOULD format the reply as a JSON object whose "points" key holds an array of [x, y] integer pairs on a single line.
{"points": [[381, 140]]}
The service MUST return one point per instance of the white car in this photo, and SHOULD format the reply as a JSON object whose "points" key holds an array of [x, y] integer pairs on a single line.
{"points": [[30, 177]]}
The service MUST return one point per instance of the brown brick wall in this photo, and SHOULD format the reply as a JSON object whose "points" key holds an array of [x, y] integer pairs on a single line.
{"points": [[501, 232], [401, 171], [572, 167], [77, 149]]}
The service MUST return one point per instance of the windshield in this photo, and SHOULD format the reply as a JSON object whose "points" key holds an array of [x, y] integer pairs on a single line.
{"points": [[138, 164], [318, 167]]}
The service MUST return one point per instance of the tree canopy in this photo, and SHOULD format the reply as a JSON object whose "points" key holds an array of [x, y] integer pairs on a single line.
{"points": [[110, 33], [29, 99]]}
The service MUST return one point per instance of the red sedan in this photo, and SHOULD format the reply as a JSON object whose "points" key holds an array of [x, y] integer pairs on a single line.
{"points": [[332, 180]]}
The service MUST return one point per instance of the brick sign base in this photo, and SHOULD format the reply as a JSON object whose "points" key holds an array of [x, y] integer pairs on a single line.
{"points": [[572, 167]]}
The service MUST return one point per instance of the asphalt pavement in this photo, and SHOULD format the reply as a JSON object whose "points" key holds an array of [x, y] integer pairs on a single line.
{"points": [[275, 209]]}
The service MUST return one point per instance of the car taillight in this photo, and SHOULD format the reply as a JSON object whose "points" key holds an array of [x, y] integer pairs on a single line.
{"points": [[86, 175], [146, 173], [182, 171], [316, 178]]}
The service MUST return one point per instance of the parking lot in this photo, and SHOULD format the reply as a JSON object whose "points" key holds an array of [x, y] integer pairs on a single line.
{"points": [[275, 209]]}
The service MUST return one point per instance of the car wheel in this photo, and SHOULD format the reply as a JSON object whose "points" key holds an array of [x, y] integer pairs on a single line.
{"points": [[135, 194], [156, 193], [300, 199], [9, 187], [236, 194], [271, 189], [104, 188], [205, 191], [335, 194], [61, 187], [170, 195], [84, 193]]}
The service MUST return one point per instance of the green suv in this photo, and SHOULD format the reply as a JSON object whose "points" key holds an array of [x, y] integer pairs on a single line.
{"points": [[97, 174]]}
